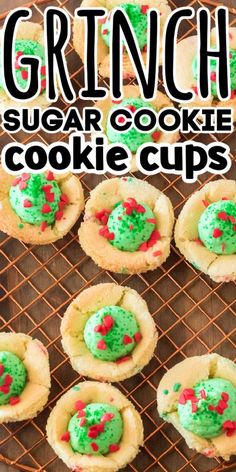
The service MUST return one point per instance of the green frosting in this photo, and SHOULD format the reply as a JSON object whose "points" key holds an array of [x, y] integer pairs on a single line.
{"points": [[27, 47], [138, 18], [217, 227], [130, 230], [213, 68], [109, 333], [132, 138], [33, 204], [100, 444], [220, 397], [13, 377]]}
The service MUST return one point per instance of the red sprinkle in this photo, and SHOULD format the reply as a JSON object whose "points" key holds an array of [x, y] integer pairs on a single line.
{"points": [[43, 226], [123, 359], [103, 215], [223, 247], [225, 396], [217, 233], [50, 197], [27, 204], [46, 208], [132, 108], [1, 369], [14, 400], [127, 340], [121, 119], [108, 322], [106, 233], [81, 414], [5, 389], [24, 74], [157, 253], [213, 76], [114, 447], [155, 236], [25, 176], [194, 408], [8, 380], [229, 427], [16, 181], [211, 408], [22, 185], [93, 432], [107, 417], [105, 31], [100, 427], [137, 337], [94, 447], [64, 198], [222, 215], [205, 203], [195, 89], [144, 9], [232, 219], [156, 135], [43, 83], [117, 102], [43, 70], [198, 241], [203, 394], [65, 436], [82, 422], [46, 188], [143, 247], [79, 405], [59, 215], [101, 345], [50, 176], [151, 220], [101, 329]]}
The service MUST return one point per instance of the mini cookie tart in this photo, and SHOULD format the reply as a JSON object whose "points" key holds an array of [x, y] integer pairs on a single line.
{"points": [[94, 428], [133, 138], [205, 231], [137, 13], [39, 208], [127, 226], [24, 377], [29, 42], [108, 333], [186, 71], [198, 396]]}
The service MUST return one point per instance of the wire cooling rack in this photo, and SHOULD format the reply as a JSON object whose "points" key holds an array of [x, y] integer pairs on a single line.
{"points": [[193, 314]]}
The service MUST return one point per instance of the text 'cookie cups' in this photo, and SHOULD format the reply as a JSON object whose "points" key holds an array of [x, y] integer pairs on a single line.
{"points": [[132, 138], [187, 69], [108, 333], [39, 208], [24, 377], [29, 42], [137, 13], [94, 428], [198, 396], [127, 226], [205, 231]]}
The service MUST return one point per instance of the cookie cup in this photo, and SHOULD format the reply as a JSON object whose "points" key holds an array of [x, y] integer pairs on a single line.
{"points": [[31, 234], [26, 30], [95, 392], [34, 356], [133, 91], [186, 50], [187, 373], [106, 195], [103, 54], [82, 308]]}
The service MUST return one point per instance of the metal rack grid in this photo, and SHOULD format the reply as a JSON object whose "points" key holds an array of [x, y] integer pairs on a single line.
{"points": [[193, 314]]}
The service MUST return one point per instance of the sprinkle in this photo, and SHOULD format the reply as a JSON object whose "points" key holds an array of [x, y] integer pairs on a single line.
{"points": [[211, 408], [123, 359], [25, 176], [232, 95], [121, 119], [22, 185], [127, 340], [151, 220], [43, 70], [20, 225], [234, 227], [79, 405], [100, 428], [43, 84], [137, 337], [58, 215], [131, 227], [222, 215], [103, 215], [165, 392], [108, 322], [213, 76], [27, 204], [157, 253], [50, 176], [155, 236], [143, 247], [102, 20], [203, 394], [82, 422], [114, 447], [195, 89], [194, 408], [8, 380], [1, 369], [24, 74], [101, 345], [81, 414], [107, 417], [14, 400], [5, 389], [232, 219], [93, 432], [223, 247], [224, 198], [46, 208], [106, 233], [156, 135], [117, 102], [94, 447], [50, 197], [100, 329], [144, 9], [217, 233], [205, 203], [176, 387], [65, 436], [105, 31], [46, 188], [225, 396], [198, 241], [16, 182], [229, 427], [132, 108], [64, 198], [43, 226], [145, 48]]}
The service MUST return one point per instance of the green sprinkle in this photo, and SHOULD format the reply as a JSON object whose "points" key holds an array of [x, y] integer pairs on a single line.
{"points": [[20, 225], [165, 392], [76, 388], [176, 387]]}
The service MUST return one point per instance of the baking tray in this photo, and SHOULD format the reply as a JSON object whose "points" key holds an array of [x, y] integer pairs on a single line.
{"points": [[193, 314]]}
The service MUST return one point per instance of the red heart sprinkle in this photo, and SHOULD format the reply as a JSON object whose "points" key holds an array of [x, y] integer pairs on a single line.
{"points": [[157, 253], [123, 359], [105, 31], [79, 405], [108, 322], [94, 447], [144, 9], [46, 188], [213, 76], [127, 339], [43, 70], [65, 436], [43, 84], [50, 176], [217, 233], [156, 136], [1, 369], [22, 185], [205, 203], [222, 215], [8, 379], [107, 417], [137, 337], [93, 433], [211, 408], [114, 447], [121, 119], [14, 400], [64, 198], [43, 226], [46, 208], [101, 345], [50, 197], [82, 422], [24, 74], [5, 389], [81, 414], [225, 396], [27, 204], [59, 215]]}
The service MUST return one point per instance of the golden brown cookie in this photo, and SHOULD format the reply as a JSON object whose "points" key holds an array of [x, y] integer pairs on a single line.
{"points": [[139, 343], [69, 207], [78, 401], [122, 197], [220, 267], [186, 51], [103, 55], [24, 377], [198, 396]]}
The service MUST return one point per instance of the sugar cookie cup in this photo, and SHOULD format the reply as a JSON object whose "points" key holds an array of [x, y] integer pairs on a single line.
{"points": [[132, 138], [71, 420], [205, 230], [186, 70], [39, 208], [29, 41], [24, 377], [137, 12], [108, 333], [127, 226], [197, 396]]}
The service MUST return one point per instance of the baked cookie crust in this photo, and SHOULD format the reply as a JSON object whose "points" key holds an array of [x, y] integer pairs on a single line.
{"points": [[103, 55], [29, 31], [95, 392], [106, 195], [34, 356], [187, 373], [31, 234], [220, 268], [185, 52], [133, 91], [85, 305]]}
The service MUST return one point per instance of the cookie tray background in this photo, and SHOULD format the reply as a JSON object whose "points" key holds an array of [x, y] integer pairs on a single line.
{"points": [[193, 314]]}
